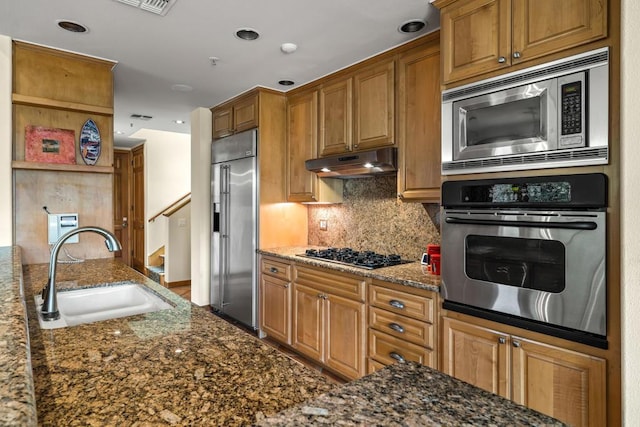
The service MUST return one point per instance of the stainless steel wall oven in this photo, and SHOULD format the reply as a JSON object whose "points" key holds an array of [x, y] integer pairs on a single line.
{"points": [[530, 252]]}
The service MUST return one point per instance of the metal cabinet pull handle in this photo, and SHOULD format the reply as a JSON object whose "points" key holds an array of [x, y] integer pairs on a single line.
{"points": [[396, 356], [517, 54], [502, 340], [319, 295], [396, 327], [516, 343], [502, 60], [273, 270], [396, 304], [286, 286]]}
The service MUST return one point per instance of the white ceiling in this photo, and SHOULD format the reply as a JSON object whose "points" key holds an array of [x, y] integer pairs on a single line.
{"points": [[156, 52]]}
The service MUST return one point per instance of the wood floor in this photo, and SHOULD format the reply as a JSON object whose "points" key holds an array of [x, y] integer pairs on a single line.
{"points": [[185, 292]]}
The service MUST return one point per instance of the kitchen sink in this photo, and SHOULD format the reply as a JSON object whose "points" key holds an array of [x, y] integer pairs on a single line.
{"points": [[108, 301]]}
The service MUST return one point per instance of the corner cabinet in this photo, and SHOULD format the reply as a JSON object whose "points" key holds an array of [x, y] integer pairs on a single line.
{"points": [[565, 384], [480, 36], [329, 322], [419, 110], [235, 116]]}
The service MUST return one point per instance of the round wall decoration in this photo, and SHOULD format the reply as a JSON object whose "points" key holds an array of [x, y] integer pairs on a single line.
{"points": [[90, 142]]}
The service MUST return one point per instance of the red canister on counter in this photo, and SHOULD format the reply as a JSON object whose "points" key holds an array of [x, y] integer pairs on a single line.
{"points": [[432, 250], [435, 264]]}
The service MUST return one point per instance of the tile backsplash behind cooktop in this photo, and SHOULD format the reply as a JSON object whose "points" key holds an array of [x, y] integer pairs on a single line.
{"points": [[371, 218]]}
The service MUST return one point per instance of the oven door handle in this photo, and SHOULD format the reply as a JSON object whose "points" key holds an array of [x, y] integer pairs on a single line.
{"points": [[576, 225]]}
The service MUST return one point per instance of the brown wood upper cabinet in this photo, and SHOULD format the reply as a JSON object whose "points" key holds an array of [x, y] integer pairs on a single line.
{"points": [[235, 116], [419, 123], [302, 144], [480, 36], [564, 384], [374, 112], [357, 112], [336, 117]]}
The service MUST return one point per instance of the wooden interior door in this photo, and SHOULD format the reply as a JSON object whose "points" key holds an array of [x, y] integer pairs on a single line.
{"points": [[137, 209], [122, 202]]}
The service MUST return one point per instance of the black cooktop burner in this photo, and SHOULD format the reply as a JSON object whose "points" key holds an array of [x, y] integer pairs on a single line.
{"points": [[361, 259]]}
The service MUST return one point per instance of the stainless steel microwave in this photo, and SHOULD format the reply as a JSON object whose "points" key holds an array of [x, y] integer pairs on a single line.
{"points": [[548, 116]]}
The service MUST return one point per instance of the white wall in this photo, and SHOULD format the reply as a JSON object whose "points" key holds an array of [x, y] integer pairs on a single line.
{"points": [[200, 205], [6, 180], [177, 265], [630, 205], [167, 178]]}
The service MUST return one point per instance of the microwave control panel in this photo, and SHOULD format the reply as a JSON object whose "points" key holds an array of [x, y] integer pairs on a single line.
{"points": [[572, 114]]}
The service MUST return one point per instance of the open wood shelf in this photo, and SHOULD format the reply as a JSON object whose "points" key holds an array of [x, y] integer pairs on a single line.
{"points": [[17, 164], [62, 105]]}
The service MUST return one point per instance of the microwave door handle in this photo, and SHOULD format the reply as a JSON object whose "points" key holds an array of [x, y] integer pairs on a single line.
{"points": [[576, 225]]}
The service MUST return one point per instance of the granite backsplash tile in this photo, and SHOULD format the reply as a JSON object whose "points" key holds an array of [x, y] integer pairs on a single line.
{"points": [[372, 218]]}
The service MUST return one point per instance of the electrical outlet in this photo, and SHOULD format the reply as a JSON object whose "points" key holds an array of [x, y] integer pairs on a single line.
{"points": [[323, 224]]}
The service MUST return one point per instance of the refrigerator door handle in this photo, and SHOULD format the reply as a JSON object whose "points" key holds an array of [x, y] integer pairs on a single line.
{"points": [[225, 171]]}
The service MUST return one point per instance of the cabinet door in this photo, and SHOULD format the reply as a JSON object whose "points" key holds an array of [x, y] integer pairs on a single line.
{"points": [[564, 384], [476, 38], [222, 122], [336, 115], [302, 143], [476, 355], [308, 330], [419, 130], [245, 113], [275, 308], [541, 27], [374, 109], [345, 329]]}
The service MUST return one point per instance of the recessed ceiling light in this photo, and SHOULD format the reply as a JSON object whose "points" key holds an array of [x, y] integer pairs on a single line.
{"points": [[412, 26], [247, 34], [119, 132], [286, 82], [74, 27], [180, 122]]}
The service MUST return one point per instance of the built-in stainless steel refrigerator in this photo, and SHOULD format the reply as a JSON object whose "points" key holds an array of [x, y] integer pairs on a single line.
{"points": [[234, 227]]}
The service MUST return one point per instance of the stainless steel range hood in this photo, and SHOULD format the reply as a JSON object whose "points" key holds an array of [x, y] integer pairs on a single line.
{"points": [[382, 161]]}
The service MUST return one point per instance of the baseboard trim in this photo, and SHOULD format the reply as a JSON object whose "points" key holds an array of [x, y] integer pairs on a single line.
{"points": [[178, 283]]}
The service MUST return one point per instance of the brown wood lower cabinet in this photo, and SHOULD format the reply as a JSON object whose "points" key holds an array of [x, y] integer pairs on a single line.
{"points": [[329, 321], [275, 299], [565, 384], [401, 325]]}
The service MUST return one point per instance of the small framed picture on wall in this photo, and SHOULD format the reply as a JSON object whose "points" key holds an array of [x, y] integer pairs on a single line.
{"points": [[49, 145]]}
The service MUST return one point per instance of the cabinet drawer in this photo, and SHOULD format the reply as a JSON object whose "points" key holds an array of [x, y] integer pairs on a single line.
{"points": [[388, 350], [416, 306], [276, 269], [402, 327], [331, 281], [373, 366]]}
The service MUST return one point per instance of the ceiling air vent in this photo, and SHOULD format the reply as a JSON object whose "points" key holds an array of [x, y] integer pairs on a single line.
{"points": [[159, 7], [141, 117]]}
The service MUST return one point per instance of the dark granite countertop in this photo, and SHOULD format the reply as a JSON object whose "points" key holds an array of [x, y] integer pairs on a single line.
{"points": [[412, 274], [185, 366], [181, 366], [16, 380], [409, 394]]}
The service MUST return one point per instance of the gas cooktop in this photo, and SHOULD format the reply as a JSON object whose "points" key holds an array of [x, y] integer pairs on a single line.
{"points": [[362, 259]]}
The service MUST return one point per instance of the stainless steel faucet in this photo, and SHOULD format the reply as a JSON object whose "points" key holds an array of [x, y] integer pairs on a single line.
{"points": [[49, 308]]}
